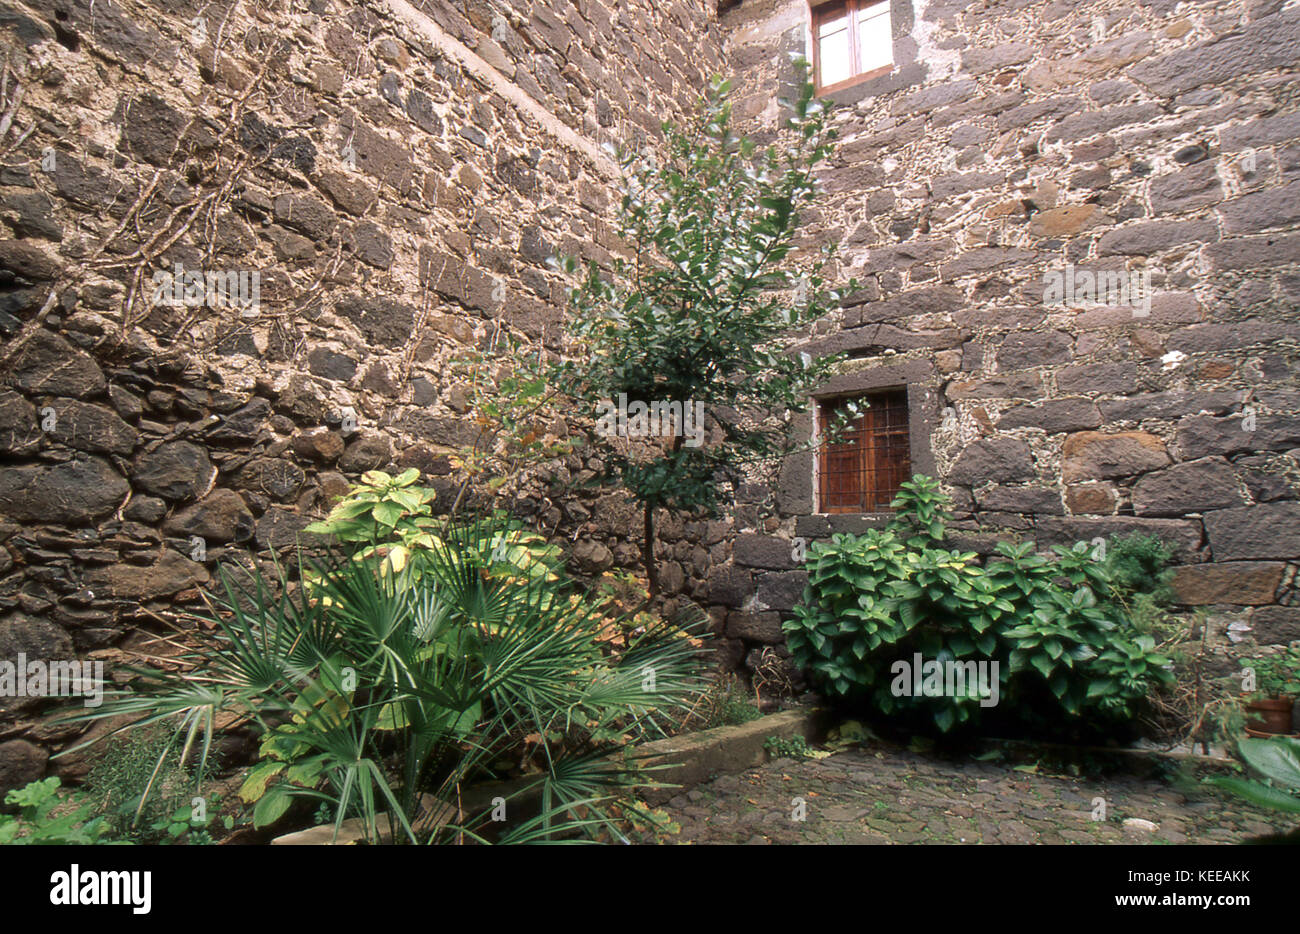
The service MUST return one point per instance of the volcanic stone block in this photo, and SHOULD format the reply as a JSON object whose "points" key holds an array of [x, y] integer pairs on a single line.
{"points": [[1194, 187], [1038, 348], [1154, 236], [380, 319], [49, 364], [170, 574], [998, 460], [1094, 455], [1276, 625], [1173, 404], [20, 430], [781, 590], [1202, 435], [762, 627], [1271, 530], [1269, 42], [1182, 536], [1196, 486], [730, 586], [73, 492], [1098, 378], [1029, 500], [763, 551], [1054, 415], [221, 516], [1242, 583], [1092, 498], [21, 763], [176, 470]]}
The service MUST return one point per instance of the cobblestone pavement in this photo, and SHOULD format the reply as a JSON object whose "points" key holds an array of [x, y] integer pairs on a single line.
{"points": [[894, 796]]}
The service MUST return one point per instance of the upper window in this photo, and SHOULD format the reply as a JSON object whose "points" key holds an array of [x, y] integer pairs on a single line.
{"points": [[851, 42], [864, 470]]}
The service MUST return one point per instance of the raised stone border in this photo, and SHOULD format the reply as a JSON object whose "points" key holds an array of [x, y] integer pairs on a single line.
{"points": [[679, 762]]}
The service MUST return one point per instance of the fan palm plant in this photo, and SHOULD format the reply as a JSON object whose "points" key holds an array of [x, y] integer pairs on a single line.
{"points": [[375, 688]]}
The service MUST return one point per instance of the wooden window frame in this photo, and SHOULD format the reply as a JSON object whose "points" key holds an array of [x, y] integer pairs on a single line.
{"points": [[818, 13], [871, 450]]}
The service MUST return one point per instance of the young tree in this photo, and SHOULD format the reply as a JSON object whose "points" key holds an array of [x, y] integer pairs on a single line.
{"points": [[706, 307]]}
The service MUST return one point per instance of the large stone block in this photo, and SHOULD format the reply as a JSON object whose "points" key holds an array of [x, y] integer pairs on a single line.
{"points": [[176, 470], [763, 551], [1196, 486], [1145, 239], [1242, 583], [1267, 43], [1099, 378], [75, 492], [1022, 350], [1054, 415], [1176, 403], [1095, 455], [382, 320], [47, 363], [170, 574], [996, 460], [21, 763], [730, 586], [1271, 530], [1182, 536], [1276, 625], [1202, 435], [1196, 186], [1028, 500], [221, 516], [781, 590], [762, 627]]}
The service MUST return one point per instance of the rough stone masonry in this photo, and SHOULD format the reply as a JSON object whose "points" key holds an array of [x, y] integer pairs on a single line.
{"points": [[1015, 140], [398, 172]]}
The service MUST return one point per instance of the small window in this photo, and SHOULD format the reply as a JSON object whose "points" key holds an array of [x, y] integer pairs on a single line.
{"points": [[864, 470], [851, 42]]}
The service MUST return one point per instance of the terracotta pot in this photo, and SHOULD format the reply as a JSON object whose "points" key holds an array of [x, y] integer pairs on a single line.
{"points": [[1273, 715]]}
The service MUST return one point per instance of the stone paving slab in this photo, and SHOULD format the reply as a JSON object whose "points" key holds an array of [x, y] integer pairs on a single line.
{"points": [[884, 796]]}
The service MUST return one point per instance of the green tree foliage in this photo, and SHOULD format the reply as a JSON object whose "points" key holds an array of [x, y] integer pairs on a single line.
{"points": [[704, 310]]}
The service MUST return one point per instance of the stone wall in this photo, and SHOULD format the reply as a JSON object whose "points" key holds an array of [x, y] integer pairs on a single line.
{"points": [[396, 173], [1012, 138]]}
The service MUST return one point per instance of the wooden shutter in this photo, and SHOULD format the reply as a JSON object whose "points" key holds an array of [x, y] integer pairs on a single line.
{"points": [[864, 470]]}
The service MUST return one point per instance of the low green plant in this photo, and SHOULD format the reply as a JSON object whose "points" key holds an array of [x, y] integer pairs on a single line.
{"points": [[796, 747], [139, 782], [1276, 675], [46, 817], [876, 600], [1138, 568], [726, 703], [374, 688]]}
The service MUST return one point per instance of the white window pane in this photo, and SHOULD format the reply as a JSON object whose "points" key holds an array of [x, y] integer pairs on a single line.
{"points": [[875, 45], [833, 25], [836, 60]]}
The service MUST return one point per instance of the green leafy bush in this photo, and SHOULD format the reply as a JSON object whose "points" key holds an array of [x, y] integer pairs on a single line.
{"points": [[47, 818], [879, 599]]}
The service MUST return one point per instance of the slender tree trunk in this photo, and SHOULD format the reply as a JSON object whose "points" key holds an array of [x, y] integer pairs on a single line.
{"points": [[648, 550]]}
